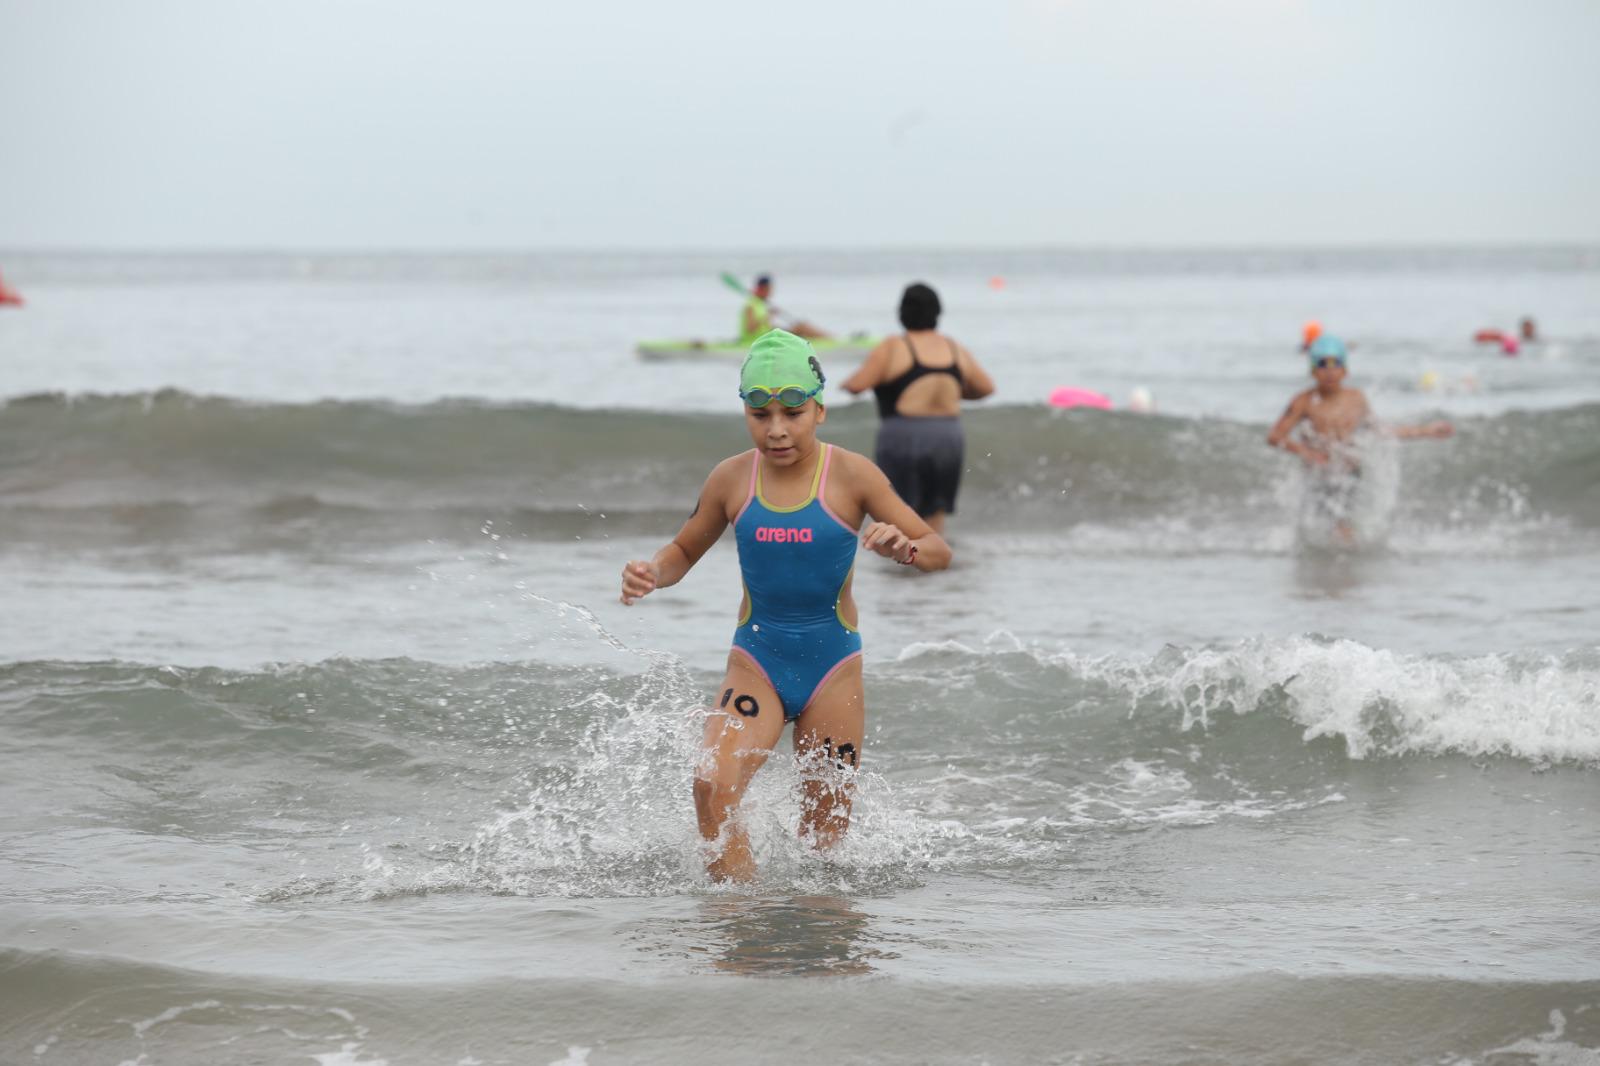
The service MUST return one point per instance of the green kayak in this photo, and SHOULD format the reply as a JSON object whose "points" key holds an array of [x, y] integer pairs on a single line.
{"points": [[853, 347]]}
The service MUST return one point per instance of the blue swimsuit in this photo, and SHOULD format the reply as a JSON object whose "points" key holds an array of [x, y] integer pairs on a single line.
{"points": [[795, 562]]}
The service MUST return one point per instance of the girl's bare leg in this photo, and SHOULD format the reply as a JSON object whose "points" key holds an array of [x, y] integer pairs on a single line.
{"points": [[741, 732], [827, 738]]}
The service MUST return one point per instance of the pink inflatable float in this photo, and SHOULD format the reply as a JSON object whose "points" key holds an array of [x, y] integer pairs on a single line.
{"points": [[1066, 396], [1507, 341]]}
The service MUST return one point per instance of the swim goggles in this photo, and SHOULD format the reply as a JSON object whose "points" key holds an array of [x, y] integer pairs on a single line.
{"points": [[789, 395], [1327, 360]]}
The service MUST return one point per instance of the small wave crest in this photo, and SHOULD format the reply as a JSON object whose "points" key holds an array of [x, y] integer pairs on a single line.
{"points": [[1026, 467], [1375, 702], [540, 780]]}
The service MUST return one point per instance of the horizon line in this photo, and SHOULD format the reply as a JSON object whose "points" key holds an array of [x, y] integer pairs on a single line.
{"points": [[1541, 245]]}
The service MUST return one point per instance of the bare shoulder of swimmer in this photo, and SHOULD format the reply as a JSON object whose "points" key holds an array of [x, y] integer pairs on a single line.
{"points": [[849, 464], [1293, 414], [726, 484], [1303, 407], [870, 372]]}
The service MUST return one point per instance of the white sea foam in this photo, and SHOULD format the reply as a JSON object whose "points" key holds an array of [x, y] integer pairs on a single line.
{"points": [[614, 817], [1538, 707], [1137, 794], [144, 1026], [576, 1056], [349, 1054], [1548, 1048], [1121, 744]]}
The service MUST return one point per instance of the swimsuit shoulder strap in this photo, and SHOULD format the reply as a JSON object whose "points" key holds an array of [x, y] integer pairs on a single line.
{"points": [[750, 489], [913, 350], [816, 484]]}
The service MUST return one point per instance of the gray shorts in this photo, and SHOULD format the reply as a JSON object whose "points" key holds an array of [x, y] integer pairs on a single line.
{"points": [[923, 458]]}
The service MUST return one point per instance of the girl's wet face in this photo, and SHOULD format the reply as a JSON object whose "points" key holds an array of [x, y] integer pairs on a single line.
{"points": [[1328, 374], [784, 434]]}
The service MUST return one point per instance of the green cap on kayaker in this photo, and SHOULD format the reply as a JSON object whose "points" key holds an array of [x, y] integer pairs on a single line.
{"points": [[782, 366]]}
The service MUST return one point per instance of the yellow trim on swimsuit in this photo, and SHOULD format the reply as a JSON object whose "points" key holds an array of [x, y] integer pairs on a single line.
{"points": [[816, 479], [838, 601]]}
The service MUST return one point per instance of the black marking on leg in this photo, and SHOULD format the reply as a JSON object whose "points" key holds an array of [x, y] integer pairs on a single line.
{"points": [[726, 696], [746, 705], [845, 753]]}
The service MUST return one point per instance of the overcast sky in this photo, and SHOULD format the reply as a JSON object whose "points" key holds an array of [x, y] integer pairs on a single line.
{"points": [[350, 124]]}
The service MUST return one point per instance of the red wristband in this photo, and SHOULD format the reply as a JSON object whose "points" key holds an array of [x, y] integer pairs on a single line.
{"points": [[908, 560]]}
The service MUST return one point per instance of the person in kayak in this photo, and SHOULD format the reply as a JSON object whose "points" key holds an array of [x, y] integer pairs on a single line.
{"points": [[755, 317], [795, 505], [920, 379]]}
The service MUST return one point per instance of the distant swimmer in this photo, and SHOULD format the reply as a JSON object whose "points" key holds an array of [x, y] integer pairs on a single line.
{"points": [[9, 297], [1510, 343], [755, 318], [796, 506], [920, 379], [1333, 416]]}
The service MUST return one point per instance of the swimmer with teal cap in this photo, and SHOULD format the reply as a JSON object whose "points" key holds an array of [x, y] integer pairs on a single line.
{"points": [[1329, 419], [797, 507]]}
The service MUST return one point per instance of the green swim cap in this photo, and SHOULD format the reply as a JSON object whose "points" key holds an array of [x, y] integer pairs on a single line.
{"points": [[778, 358]]}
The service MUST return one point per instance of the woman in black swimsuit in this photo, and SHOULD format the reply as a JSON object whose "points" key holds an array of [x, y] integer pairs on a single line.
{"points": [[920, 379]]}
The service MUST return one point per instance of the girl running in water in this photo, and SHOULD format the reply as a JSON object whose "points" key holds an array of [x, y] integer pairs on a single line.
{"points": [[795, 505]]}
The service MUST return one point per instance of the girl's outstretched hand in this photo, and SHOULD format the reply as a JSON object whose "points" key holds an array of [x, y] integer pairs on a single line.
{"points": [[887, 541], [638, 579]]}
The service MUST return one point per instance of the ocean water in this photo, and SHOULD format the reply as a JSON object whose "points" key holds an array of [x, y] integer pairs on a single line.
{"points": [[325, 739]]}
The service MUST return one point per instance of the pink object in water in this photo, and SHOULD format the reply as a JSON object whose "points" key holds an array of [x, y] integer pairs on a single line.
{"points": [[1067, 396], [1508, 344], [9, 295]]}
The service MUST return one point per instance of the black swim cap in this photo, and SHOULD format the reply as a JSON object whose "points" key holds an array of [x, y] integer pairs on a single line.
{"points": [[919, 307], [763, 279]]}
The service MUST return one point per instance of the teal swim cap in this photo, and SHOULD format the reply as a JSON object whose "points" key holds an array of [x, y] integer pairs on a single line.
{"points": [[1327, 347], [777, 359]]}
